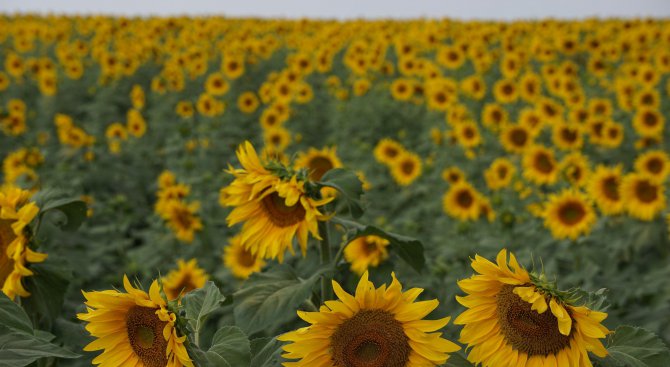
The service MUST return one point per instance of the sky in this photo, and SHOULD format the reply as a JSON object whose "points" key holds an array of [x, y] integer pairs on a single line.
{"points": [[347, 9]]}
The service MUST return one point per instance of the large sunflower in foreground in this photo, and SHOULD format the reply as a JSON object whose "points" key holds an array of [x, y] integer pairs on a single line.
{"points": [[516, 319], [380, 327], [569, 214], [273, 209], [133, 329], [16, 212]]}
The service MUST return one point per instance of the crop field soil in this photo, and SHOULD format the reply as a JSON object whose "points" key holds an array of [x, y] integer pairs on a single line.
{"points": [[243, 192]]}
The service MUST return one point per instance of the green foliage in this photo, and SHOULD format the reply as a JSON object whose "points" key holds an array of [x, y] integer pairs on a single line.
{"points": [[269, 299], [200, 303], [72, 211], [230, 347], [349, 186], [266, 352], [635, 347], [20, 344]]}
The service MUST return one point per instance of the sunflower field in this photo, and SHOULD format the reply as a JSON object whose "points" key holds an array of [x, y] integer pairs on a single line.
{"points": [[243, 192]]}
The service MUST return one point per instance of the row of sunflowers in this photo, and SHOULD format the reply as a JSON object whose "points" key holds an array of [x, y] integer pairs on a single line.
{"points": [[545, 139]]}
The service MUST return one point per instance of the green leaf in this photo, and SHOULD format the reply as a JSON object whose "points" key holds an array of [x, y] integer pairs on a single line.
{"points": [[230, 347], [47, 288], [457, 360], [636, 347], [350, 187], [199, 303], [271, 298], [13, 317], [20, 345], [19, 349], [74, 211], [409, 249], [266, 352]]}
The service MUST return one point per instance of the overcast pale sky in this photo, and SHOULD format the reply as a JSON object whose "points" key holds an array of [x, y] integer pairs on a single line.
{"points": [[342, 9]]}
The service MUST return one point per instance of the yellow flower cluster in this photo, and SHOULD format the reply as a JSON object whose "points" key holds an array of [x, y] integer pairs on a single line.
{"points": [[171, 205]]}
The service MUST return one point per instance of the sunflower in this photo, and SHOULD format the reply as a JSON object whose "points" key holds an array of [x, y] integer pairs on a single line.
{"points": [[517, 319], [505, 91], [516, 138], [576, 168], [184, 109], [277, 138], [247, 102], [461, 201], [643, 196], [406, 169], [654, 163], [16, 212], [539, 165], [240, 261], [182, 218], [569, 214], [187, 277], [499, 175], [468, 134], [453, 175], [273, 210], [373, 327], [318, 162], [648, 122], [133, 328], [604, 187], [366, 251], [388, 151], [216, 84], [567, 136], [494, 116]]}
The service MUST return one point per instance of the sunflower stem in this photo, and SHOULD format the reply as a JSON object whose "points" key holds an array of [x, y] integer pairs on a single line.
{"points": [[326, 290]]}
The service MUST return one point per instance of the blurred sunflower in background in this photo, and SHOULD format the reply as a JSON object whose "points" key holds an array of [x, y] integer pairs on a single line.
{"points": [[373, 327], [643, 196], [240, 261], [365, 252], [187, 277], [515, 318], [406, 168], [569, 214]]}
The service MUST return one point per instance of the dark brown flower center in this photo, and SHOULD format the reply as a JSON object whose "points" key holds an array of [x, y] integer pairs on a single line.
{"points": [[245, 258], [145, 334], [655, 165], [281, 214], [6, 237], [518, 137], [464, 198], [646, 191], [526, 330], [371, 338], [543, 163], [318, 166], [391, 152], [571, 213], [569, 135], [610, 187], [407, 167], [650, 119]]}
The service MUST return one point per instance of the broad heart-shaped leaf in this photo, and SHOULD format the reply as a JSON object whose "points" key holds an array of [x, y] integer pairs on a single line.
{"points": [[636, 347], [230, 347], [271, 298], [409, 249], [200, 303], [266, 352], [12, 317], [457, 360], [74, 211], [350, 187]]}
